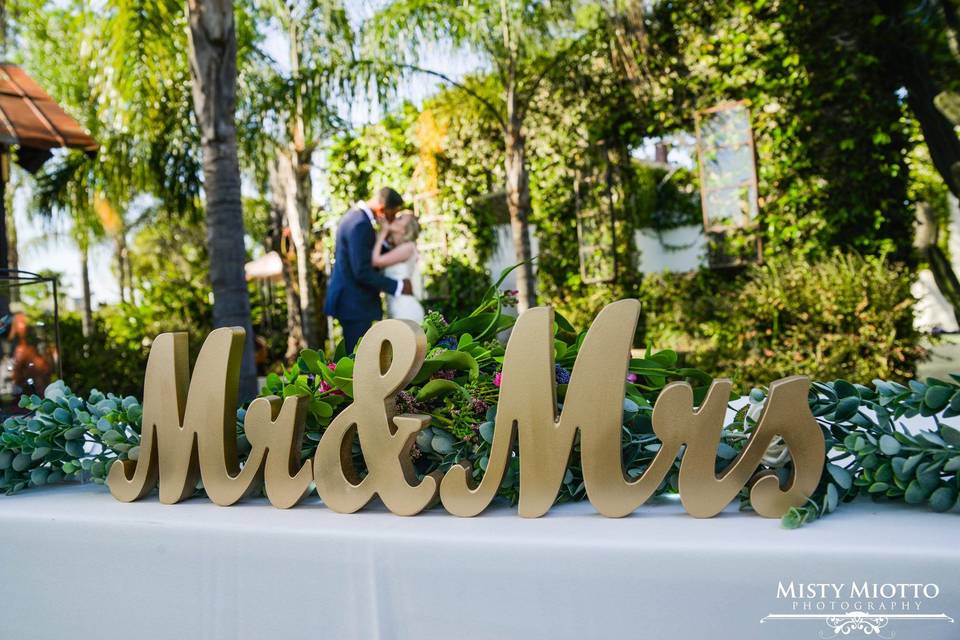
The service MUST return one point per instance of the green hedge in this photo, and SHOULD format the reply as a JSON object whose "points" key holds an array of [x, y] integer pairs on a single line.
{"points": [[845, 316]]}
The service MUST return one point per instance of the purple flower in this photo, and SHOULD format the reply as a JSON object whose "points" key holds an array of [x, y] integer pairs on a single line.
{"points": [[405, 402], [444, 374], [448, 342], [497, 377], [632, 377], [563, 376], [479, 406]]}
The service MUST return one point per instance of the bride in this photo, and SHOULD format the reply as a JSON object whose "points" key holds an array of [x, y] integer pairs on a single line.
{"points": [[400, 262]]}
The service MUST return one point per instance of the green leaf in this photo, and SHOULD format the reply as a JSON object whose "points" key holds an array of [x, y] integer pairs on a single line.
{"points": [[929, 480], [878, 487], [437, 389], [563, 324], [889, 445], [667, 358], [39, 453], [21, 461], [844, 389], [911, 464], [74, 433], [442, 442], [942, 499], [486, 431], [955, 401], [833, 497], [344, 368], [273, 382], [937, 397], [321, 408], [74, 448], [343, 384], [846, 408], [915, 494], [897, 465], [298, 389], [457, 360], [950, 435], [792, 519], [39, 476], [313, 361]]}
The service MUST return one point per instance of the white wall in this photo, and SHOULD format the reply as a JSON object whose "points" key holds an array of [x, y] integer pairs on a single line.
{"points": [[932, 311], [676, 250], [504, 255]]}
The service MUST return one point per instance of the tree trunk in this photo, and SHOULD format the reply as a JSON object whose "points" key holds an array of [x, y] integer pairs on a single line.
{"points": [[4, 258], [938, 132], [518, 203], [87, 319], [13, 250], [299, 193], [928, 230], [908, 63], [295, 172], [278, 214], [121, 248], [213, 70]]}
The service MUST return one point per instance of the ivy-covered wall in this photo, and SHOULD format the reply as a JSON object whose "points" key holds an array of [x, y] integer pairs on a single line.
{"points": [[840, 165]]}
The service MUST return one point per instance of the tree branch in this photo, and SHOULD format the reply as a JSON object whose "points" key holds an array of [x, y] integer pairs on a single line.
{"points": [[529, 92]]}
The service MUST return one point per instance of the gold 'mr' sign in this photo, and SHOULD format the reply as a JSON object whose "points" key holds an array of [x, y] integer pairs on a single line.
{"points": [[189, 431]]}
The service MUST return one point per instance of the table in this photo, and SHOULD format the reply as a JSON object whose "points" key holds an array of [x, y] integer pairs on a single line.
{"points": [[76, 563]]}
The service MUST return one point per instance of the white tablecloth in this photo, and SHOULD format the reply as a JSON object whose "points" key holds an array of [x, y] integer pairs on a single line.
{"points": [[75, 563]]}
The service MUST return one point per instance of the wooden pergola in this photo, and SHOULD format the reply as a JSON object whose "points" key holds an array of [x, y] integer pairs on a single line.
{"points": [[32, 124]]}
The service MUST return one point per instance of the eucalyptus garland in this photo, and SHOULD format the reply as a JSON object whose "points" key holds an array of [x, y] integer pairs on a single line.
{"points": [[65, 437]]}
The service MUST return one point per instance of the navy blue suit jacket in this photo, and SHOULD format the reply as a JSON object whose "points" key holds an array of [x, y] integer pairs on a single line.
{"points": [[354, 289]]}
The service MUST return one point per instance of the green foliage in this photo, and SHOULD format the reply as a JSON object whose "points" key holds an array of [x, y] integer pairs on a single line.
{"points": [[455, 286], [871, 453], [830, 138], [65, 436], [102, 359], [377, 155], [842, 316], [168, 262]]}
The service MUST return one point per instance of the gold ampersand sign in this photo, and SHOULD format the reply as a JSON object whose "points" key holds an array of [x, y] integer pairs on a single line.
{"points": [[189, 433]]}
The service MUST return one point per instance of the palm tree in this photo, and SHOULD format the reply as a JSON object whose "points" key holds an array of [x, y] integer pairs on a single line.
{"points": [[292, 109], [213, 68], [522, 41], [68, 187]]}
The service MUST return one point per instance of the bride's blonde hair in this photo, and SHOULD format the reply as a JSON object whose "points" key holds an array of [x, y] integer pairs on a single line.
{"points": [[412, 226]]}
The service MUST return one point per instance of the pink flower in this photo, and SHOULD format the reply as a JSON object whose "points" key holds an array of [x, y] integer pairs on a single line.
{"points": [[496, 378], [332, 366], [632, 377]]}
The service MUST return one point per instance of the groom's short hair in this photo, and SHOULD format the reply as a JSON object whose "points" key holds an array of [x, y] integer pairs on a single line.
{"points": [[390, 199]]}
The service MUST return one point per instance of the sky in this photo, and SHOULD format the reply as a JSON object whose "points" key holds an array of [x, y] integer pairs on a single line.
{"points": [[44, 247]]}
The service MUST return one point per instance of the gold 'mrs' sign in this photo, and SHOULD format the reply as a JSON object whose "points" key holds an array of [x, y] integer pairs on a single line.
{"points": [[189, 432]]}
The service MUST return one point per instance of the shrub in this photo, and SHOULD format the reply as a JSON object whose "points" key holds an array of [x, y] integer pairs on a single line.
{"points": [[845, 316]]}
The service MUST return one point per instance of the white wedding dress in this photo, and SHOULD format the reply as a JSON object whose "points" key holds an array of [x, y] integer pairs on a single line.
{"points": [[405, 307]]}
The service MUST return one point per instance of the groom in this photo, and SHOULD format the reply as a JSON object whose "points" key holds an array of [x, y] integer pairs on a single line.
{"points": [[353, 296]]}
